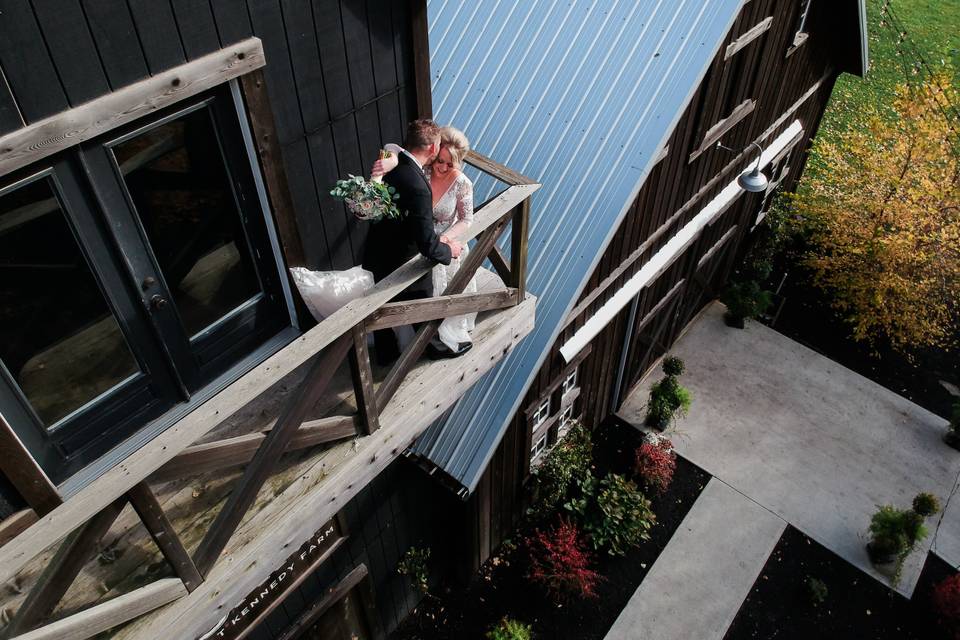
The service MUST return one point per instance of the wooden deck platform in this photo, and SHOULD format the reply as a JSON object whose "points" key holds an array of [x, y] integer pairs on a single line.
{"points": [[311, 486]]}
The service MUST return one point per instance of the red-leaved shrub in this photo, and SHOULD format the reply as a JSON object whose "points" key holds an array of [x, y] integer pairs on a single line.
{"points": [[655, 464], [560, 562], [946, 602]]}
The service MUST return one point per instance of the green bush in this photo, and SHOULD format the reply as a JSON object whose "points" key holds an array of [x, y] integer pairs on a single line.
{"points": [[614, 514], [668, 399], [413, 564], [673, 366], [888, 529], [509, 629], [746, 299], [816, 590], [569, 460], [926, 504]]}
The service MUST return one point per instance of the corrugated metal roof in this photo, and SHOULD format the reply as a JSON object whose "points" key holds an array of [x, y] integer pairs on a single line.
{"points": [[579, 95]]}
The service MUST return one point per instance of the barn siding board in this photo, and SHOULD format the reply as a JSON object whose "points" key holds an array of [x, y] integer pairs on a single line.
{"points": [[117, 41], [233, 21], [298, 19], [333, 57], [10, 118], [331, 214], [71, 47], [197, 27], [281, 86], [356, 33], [158, 33], [26, 63]]}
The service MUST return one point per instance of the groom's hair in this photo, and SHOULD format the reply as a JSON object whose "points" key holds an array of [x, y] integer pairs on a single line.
{"points": [[421, 133]]}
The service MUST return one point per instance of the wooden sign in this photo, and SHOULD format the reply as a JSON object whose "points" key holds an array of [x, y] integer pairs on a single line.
{"points": [[258, 604]]}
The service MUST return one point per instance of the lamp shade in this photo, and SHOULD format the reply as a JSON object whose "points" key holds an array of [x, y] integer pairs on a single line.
{"points": [[753, 181]]}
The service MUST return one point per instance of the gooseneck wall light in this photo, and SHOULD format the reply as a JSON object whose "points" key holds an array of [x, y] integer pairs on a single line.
{"points": [[751, 180]]}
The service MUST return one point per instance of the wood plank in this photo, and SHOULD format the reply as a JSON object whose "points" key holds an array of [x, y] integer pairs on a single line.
{"points": [[420, 27], [63, 130], [755, 32], [497, 170], [268, 454], [117, 41], [141, 463], [363, 381], [27, 64], [198, 31], [428, 330], [717, 131], [111, 613], [398, 314], [24, 473], [155, 520], [271, 166], [16, 523], [71, 46], [519, 232], [10, 117], [304, 58], [231, 452], [233, 21], [500, 263], [317, 609], [156, 25], [61, 571]]}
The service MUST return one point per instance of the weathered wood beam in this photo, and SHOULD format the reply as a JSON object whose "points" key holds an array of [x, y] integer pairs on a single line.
{"points": [[497, 170], [307, 619], [271, 166], [144, 461], [720, 129], [500, 263], [752, 34], [164, 535], [26, 145], [231, 452], [24, 473], [62, 569], [362, 374], [109, 614], [15, 524], [397, 314], [268, 454], [428, 330], [518, 248]]}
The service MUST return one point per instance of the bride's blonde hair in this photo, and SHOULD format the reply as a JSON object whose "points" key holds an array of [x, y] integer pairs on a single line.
{"points": [[456, 143]]}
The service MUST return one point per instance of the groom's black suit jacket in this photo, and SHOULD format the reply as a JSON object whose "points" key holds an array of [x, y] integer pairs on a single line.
{"points": [[391, 241]]}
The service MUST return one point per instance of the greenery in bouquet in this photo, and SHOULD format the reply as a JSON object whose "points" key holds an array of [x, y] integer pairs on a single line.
{"points": [[367, 199]]}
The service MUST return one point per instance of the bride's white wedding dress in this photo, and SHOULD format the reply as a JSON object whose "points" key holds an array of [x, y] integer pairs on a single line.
{"points": [[456, 205]]}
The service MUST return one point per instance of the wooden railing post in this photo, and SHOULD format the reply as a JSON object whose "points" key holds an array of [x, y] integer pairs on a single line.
{"points": [[363, 381], [155, 520], [518, 248]]}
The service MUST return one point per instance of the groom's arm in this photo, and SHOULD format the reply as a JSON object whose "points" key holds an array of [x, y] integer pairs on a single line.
{"points": [[421, 221]]}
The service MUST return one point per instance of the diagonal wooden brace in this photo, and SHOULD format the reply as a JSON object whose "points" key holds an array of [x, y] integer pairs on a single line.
{"points": [[242, 497], [155, 520]]}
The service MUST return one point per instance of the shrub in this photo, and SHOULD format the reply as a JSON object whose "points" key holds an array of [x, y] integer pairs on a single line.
{"points": [[673, 366], [413, 564], [816, 590], [888, 529], [570, 459], [946, 602], [668, 399], [926, 504], [656, 462], [615, 514], [508, 629], [560, 562], [746, 299]]}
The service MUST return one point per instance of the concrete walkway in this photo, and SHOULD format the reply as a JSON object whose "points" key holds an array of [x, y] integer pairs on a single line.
{"points": [[810, 440], [696, 586]]}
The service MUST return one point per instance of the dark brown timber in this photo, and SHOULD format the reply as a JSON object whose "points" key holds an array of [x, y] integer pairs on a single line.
{"points": [[518, 248], [155, 520], [363, 380], [24, 472]]}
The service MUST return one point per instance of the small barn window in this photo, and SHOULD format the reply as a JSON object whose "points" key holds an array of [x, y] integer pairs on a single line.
{"points": [[569, 383], [536, 451], [541, 414], [566, 421]]}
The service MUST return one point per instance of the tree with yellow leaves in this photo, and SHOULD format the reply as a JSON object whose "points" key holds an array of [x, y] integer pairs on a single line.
{"points": [[882, 216]]}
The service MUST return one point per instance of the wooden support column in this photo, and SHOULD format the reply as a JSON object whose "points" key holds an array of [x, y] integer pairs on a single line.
{"points": [[24, 472], [271, 165], [518, 248], [59, 574], [421, 57], [323, 369], [155, 520], [500, 264], [363, 381]]}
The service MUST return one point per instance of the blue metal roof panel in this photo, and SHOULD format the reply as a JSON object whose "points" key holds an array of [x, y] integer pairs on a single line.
{"points": [[580, 96]]}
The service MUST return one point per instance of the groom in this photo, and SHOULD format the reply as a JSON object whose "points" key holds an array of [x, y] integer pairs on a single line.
{"points": [[393, 241]]}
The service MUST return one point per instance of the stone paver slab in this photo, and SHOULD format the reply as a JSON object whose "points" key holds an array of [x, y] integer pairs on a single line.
{"points": [[696, 586]]}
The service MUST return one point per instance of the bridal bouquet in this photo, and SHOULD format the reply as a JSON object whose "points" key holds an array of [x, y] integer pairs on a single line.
{"points": [[368, 199]]}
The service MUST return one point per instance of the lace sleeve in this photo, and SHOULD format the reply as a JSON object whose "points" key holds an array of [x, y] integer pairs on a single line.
{"points": [[465, 200]]}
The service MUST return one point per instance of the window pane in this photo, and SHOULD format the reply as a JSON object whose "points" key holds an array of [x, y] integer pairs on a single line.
{"points": [[58, 338], [176, 177]]}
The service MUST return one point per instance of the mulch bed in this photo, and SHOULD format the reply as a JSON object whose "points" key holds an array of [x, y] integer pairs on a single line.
{"points": [[502, 590], [857, 606]]}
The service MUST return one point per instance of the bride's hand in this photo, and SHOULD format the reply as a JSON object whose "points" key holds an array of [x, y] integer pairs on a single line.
{"points": [[383, 166]]}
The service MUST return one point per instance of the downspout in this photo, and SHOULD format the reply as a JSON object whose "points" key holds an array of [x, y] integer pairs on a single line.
{"points": [[622, 367]]}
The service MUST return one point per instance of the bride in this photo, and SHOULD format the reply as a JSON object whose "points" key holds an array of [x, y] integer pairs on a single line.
{"points": [[452, 213]]}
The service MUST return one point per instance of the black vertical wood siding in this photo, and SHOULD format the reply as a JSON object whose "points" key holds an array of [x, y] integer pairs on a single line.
{"points": [[339, 75], [761, 71]]}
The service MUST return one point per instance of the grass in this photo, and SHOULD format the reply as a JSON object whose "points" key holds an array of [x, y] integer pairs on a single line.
{"points": [[933, 28]]}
